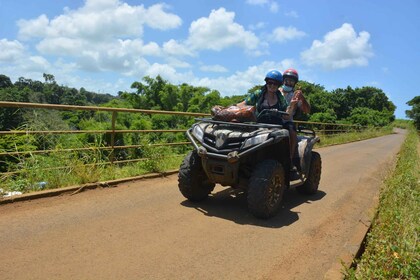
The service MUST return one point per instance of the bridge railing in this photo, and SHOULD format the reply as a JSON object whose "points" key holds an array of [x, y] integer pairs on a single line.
{"points": [[112, 145]]}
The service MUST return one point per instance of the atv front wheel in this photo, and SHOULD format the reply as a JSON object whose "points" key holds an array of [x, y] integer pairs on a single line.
{"points": [[265, 190], [314, 176], [192, 180]]}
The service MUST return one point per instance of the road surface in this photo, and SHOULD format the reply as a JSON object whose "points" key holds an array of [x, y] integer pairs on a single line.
{"points": [[147, 230]]}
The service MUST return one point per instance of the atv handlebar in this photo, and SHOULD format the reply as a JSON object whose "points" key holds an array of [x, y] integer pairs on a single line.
{"points": [[272, 116], [273, 112]]}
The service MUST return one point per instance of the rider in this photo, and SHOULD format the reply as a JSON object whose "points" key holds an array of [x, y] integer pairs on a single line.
{"points": [[294, 99], [270, 97]]}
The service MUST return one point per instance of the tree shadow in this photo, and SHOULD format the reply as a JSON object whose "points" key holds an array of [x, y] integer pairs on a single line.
{"points": [[231, 204]]}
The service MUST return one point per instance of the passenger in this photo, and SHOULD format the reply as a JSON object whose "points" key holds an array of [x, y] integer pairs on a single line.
{"points": [[295, 100]]}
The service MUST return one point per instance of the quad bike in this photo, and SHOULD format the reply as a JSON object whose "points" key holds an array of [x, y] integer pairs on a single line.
{"points": [[253, 157]]}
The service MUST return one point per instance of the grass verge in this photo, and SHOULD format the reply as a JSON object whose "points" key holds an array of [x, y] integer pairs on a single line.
{"points": [[392, 247], [40, 172], [336, 139]]}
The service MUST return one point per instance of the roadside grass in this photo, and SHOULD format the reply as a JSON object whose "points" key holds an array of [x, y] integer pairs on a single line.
{"points": [[336, 139], [392, 248], [39, 172]]}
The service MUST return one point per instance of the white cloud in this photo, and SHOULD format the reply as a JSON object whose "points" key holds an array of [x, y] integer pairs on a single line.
{"points": [[101, 35], [100, 20], [259, 25], [241, 81], [10, 50], [63, 46], [283, 34], [33, 28], [219, 31], [106, 36], [341, 48], [172, 47], [157, 18], [37, 64], [150, 49], [213, 68], [174, 62], [273, 6], [161, 69]]}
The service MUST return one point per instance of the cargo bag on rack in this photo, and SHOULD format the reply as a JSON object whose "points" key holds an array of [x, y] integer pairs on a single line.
{"points": [[234, 113]]}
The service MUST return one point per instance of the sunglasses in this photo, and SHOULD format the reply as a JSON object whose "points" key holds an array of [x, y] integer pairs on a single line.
{"points": [[271, 83]]}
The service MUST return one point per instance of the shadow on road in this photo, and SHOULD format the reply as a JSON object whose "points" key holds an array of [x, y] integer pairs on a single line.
{"points": [[231, 205]]}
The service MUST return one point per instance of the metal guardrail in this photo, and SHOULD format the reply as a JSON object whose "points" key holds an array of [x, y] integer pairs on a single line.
{"points": [[321, 128]]}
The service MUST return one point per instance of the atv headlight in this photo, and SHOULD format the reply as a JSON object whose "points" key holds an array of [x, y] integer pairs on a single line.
{"points": [[198, 133], [255, 140]]}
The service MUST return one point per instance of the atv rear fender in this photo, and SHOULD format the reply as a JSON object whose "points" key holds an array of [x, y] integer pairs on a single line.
{"points": [[305, 146]]}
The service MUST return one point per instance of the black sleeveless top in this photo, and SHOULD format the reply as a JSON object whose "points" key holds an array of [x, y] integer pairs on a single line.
{"points": [[261, 106]]}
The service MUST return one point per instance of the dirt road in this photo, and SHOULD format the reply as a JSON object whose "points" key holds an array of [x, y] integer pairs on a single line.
{"points": [[147, 230]]}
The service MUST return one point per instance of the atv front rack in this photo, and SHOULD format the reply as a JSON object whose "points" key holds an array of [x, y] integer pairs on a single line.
{"points": [[245, 124]]}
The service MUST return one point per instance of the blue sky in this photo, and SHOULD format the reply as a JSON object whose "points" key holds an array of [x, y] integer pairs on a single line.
{"points": [[106, 45]]}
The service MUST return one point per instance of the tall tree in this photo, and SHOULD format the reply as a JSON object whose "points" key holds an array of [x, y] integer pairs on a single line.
{"points": [[49, 78], [414, 113], [5, 81]]}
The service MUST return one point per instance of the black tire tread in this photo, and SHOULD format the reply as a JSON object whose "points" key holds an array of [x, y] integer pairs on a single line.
{"points": [[192, 180], [259, 187], [314, 176]]}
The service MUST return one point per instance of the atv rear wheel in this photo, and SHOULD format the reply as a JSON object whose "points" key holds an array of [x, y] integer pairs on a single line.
{"points": [[265, 190], [314, 176], [192, 180]]}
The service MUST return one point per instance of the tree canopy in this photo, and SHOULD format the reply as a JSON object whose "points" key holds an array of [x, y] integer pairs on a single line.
{"points": [[364, 106], [414, 113]]}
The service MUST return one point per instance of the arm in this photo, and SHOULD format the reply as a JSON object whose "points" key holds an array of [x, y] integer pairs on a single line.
{"points": [[250, 100], [291, 109], [241, 104], [303, 104]]}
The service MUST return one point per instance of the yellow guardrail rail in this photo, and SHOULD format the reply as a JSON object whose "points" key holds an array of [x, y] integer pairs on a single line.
{"points": [[321, 128]]}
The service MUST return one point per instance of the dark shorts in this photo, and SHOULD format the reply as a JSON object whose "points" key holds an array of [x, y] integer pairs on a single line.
{"points": [[289, 125]]}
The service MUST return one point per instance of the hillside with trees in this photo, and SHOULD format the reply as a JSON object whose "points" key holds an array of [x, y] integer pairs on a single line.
{"points": [[364, 106]]}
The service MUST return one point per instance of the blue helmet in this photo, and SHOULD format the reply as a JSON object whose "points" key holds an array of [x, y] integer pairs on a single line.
{"points": [[274, 75]]}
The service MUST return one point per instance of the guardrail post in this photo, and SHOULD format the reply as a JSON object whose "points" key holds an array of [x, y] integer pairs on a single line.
{"points": [[112, 155]]}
